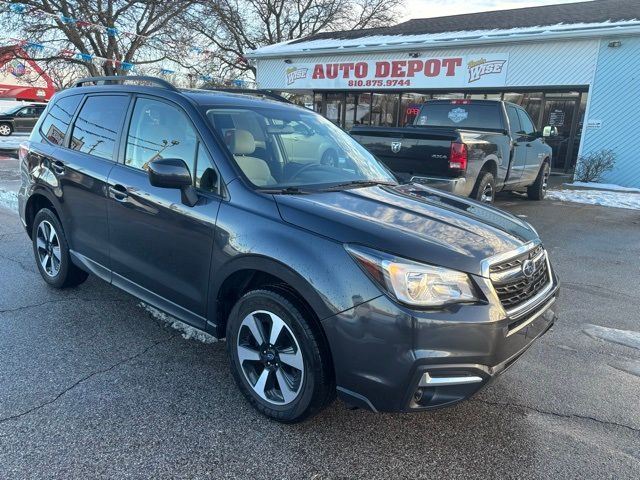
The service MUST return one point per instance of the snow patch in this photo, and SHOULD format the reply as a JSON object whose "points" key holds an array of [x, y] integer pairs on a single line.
{"points": [[603, 186], [290, 46], [597, 197], [12, 142], [628, 338], [188, 332], [9, 200]]}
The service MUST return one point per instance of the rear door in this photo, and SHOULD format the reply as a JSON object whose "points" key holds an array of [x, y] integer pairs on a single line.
{"points": [[85, 167], [161, 248], [519, 147], [78, 137]]}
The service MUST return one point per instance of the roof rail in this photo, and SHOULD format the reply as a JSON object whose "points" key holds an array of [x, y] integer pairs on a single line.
{"points": [[123, 78], [249, 91]]}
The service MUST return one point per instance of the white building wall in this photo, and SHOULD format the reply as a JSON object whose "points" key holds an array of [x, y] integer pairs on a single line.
{"points": [[557, 63], [614, 106]]}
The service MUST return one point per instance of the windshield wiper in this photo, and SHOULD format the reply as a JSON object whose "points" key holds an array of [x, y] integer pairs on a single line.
{"points": [[356, 183], [284, 191]]}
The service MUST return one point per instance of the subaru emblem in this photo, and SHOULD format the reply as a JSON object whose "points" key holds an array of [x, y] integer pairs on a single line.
{"points": [[528, 268]]}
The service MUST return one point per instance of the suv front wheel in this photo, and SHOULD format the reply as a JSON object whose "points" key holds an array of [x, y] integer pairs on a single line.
{"points": [[52, 252], [277, 358]]}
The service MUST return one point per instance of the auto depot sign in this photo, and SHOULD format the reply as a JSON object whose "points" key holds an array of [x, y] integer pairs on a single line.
{"points": [[480, 70]]}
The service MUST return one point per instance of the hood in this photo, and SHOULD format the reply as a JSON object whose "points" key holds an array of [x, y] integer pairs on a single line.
{"points": [[411, 221]]}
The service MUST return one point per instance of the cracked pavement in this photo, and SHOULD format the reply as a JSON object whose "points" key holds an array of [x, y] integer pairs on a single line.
{"points": [[92, 386]]}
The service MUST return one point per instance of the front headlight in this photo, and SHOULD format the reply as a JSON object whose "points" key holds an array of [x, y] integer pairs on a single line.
{"points": [[414, 283]]}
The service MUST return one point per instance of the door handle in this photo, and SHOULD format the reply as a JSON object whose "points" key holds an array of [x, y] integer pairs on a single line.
{"points": [[118, 193], [58, 167]]}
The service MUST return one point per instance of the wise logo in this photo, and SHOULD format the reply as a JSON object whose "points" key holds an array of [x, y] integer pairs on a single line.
{"points": [[294, 74], [481, 67]]}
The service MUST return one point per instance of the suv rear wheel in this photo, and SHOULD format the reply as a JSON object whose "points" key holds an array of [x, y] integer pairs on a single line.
{"points": [[279, 363], [52, 252]]}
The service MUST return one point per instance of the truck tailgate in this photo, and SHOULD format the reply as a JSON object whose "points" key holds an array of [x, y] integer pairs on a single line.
{"points": [[410, 151]]}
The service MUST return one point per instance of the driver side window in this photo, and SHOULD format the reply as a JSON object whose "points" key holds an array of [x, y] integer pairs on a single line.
{"points": [[526, 123], [159, 130]]}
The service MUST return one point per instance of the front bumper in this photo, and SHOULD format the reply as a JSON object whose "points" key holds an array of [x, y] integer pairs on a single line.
{"points": [[391, 358]]}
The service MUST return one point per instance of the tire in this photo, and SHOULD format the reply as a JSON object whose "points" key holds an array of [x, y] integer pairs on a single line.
{"points": [[309, 386], [51, 252], [538, 190], [485, 188], [6, 129]]}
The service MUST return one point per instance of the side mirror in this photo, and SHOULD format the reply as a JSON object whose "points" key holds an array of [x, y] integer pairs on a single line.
{"points": [[173, 173], [549, 131]]}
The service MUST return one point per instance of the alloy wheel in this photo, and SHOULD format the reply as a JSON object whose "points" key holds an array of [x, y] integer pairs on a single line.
{"points": [[5, 130], [270, 357], [487, 194], [48, 248], [545, 178]]}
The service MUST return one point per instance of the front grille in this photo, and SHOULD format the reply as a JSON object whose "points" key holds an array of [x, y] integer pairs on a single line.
{"points": [[511, 284]]}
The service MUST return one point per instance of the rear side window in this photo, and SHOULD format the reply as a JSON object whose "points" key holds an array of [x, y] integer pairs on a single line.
{"points": [[514, 121], [460, 115], [98, 125], [55, 124]]}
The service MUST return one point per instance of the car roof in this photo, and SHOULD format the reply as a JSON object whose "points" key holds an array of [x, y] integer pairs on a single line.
{"points": [[162, 88]]}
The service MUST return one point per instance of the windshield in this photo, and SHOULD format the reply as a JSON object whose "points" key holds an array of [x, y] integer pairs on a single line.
{"points": [[13, 110], [460, 115], [289, 148]]}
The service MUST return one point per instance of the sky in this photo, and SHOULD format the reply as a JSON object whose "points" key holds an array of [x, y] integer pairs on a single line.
{"points": [[440, 8]]}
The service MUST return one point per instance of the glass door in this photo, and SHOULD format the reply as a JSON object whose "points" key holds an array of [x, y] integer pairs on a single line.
{"points": [[560, 113]]}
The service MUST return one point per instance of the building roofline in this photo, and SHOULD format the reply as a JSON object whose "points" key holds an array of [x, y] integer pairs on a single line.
{"points": [[386, 43]]}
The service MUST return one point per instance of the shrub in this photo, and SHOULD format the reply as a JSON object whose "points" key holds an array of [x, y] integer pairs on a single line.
{"points": [[590, 167]]}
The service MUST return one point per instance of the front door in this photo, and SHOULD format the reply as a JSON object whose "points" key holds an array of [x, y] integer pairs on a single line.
{"points": [[560, 113], [518, 145], [533, 143], [25, 119], [161, 248]]}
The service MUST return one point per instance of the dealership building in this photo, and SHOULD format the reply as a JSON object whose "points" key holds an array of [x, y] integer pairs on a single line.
{"points": [[575, 66]]}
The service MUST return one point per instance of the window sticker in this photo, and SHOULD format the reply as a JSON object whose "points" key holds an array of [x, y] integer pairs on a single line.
{"points": [[458, 115]]}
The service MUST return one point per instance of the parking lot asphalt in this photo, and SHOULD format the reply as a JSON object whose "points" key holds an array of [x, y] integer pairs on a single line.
{"points": [[92, 386]]}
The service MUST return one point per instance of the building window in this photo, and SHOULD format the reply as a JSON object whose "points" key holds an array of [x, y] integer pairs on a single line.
{"points": [[351, 109], [384, 109], [363, 111], [410, 104], [301, 99], [531, 102], [317, 103], [448, 96], [335, 107]]}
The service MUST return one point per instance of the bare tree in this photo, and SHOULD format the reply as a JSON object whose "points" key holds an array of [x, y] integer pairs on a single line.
{"points": [[234, 27], [121, 31]]}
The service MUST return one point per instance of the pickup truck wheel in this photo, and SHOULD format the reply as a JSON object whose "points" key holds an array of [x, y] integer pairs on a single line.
{"points": [[278, 359], [538, 189], [485, 189]]}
